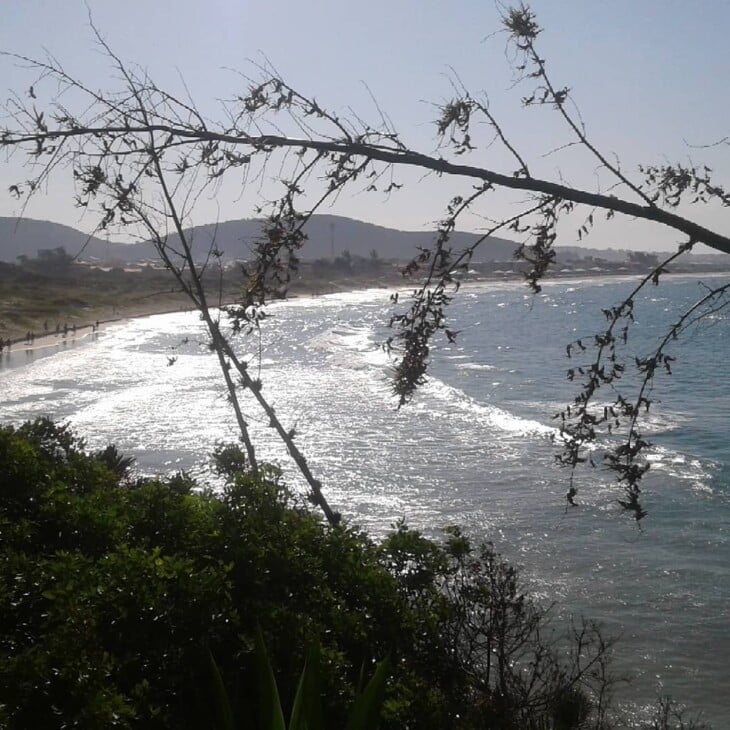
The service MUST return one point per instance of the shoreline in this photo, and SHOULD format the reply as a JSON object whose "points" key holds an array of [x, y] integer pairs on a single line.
{"points": [[97, 318], [47, 330], [77, 332]]}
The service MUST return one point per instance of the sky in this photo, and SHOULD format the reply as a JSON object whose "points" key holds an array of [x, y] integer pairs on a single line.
{"points": [[649, 78]]}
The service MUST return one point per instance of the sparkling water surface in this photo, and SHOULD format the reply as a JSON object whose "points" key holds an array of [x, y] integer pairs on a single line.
{"points": [[474, 447]]}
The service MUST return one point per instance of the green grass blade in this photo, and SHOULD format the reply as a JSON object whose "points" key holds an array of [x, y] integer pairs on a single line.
{"points": [[307, 710], [221, 701], [271, 715], [365, 713]]}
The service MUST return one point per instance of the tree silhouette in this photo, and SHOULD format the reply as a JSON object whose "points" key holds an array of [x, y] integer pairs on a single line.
{"points": [[141, 156]]}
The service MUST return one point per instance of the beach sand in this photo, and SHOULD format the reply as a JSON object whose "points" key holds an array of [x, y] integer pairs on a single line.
{"points": [[92, 319], [84, 327]]}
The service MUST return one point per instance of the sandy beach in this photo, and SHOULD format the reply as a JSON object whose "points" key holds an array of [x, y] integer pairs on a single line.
{"points": [[84, 327], [93, 319], [81, 323], [76, 309]]}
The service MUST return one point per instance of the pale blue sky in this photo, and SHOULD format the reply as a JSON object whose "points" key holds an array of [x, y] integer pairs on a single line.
{"points": [[649, 76]]}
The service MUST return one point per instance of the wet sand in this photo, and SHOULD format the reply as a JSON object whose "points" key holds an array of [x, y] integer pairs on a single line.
{"points": [[53, 339]]}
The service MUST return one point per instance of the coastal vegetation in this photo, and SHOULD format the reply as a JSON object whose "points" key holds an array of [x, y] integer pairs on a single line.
{"points": [[42, 300], [117, 592], [37, 294]]}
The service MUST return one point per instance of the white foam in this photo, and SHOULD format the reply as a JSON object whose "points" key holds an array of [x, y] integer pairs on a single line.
{"points": [[325, 301], [486, 415], [347, 345], [475, 366]]}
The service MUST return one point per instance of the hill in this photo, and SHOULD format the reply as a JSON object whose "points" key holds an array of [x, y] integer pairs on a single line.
{"points": [[25, 237], [328, 234]]}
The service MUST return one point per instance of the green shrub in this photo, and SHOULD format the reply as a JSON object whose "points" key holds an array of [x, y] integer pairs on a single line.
{"points": [[115, 592]]}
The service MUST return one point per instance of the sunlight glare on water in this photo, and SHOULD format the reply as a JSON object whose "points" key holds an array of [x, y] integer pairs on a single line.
{"points": [[474, 447]]}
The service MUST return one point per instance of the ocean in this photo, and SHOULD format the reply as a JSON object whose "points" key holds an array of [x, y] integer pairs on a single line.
{"points": [[473, 448]]}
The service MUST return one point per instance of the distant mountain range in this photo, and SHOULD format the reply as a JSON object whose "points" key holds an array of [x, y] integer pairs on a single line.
{"points": [[328, 235]]}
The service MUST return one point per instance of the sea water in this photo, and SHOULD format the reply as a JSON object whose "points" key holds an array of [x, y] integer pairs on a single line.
{"points": [[474, 447]]}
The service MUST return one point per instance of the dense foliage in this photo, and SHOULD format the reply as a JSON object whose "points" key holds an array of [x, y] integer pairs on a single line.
{"points": [[116, 591]]}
